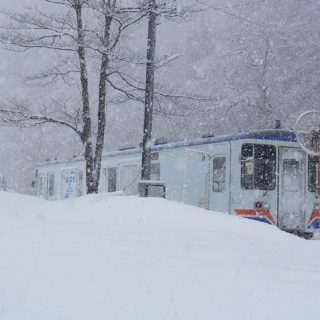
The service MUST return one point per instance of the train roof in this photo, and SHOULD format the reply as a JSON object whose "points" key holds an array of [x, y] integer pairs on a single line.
{"points": [[267, 135]]}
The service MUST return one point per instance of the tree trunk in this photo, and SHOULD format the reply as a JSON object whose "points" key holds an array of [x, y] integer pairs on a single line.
{"points": [[86, 117], [102, 102], [148, 111]]}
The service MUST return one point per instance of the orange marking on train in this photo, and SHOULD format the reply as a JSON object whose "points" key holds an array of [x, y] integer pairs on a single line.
{"points": [[258, 213], [315, 214]]}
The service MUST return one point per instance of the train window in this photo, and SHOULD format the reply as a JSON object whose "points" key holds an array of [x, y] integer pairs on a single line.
{"points": [[291, 175], [104, 173], [258, 166], [312, 173], [112, 179], [155, 171], [219, 174], [40, 186], [264, 167], [247, 166], [42, 191], [51, 185], [80, 183], [36, 180]]}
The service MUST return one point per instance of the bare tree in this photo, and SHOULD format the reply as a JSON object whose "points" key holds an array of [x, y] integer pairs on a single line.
{"points": [[262, 61], [155, 10], [86, 29], [70, 34], [256, 50]]}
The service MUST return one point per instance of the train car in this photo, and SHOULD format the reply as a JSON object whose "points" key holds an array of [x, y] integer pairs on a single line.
{"points": [[261, 175]]}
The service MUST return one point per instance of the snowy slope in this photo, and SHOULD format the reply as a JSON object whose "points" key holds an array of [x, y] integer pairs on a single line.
{"points": [[115, 257]]}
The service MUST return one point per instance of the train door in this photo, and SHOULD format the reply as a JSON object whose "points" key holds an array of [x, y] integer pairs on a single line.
{"points": [[51, 192], [195, 179], [291, 189], [108, 179], [42, 186], [129, 177], [312, 209], [219, 183]]}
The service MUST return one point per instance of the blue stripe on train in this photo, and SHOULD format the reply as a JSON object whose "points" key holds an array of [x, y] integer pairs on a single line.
{"points": [[315, 224], [261, 219]]}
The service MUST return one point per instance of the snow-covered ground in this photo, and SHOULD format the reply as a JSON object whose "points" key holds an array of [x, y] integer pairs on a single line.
{"points": [[116, 257]]}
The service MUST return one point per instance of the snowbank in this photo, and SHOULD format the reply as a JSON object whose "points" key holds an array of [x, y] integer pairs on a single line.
{"points": [[116, 257]]}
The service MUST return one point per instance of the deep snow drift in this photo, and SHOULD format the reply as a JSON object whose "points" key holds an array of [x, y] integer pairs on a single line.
{"points": [[115, 257]]}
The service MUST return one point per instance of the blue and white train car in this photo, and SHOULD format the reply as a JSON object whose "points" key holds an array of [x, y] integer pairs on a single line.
{"points": [[260, 175]]}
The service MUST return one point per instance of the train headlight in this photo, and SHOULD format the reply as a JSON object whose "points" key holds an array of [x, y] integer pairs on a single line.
{"points": [[259, 205]]}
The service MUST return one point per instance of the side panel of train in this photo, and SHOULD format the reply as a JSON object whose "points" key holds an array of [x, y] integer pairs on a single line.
{"points": [[61, 181], [269, 181]]}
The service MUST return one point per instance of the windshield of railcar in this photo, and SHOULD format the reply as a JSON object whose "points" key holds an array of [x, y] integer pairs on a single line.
{"points": [[258, 166]]}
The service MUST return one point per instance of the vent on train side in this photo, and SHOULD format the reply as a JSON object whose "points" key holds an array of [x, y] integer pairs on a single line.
{"points": [[207, 135], [160, 141], [129, 147]]}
